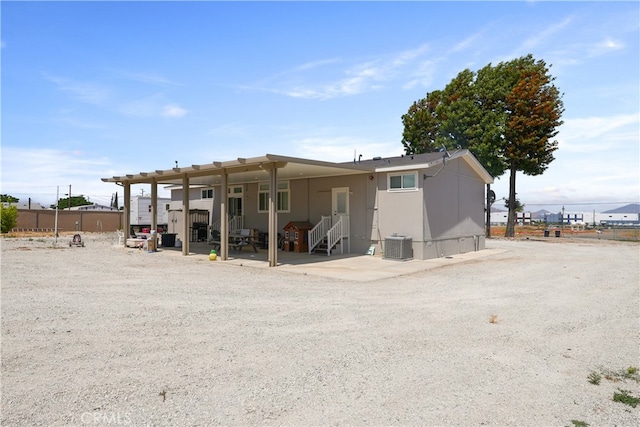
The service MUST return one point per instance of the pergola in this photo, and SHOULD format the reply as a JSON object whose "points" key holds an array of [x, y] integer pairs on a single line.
{"points": [[242, 170]]}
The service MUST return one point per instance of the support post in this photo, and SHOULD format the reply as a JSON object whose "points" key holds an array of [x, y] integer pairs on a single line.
{"points": [[185, 215], [154, 205], [126, 213], [224, 217], [273, 216]]}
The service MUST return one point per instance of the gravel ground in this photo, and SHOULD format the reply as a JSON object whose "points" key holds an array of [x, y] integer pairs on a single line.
{"points": [[103, 335]]}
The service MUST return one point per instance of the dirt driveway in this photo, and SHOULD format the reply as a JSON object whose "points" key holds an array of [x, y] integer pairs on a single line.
{"points": [[103, 335]]}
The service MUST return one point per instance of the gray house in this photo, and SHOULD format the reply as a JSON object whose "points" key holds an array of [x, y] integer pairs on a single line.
{"points": [[413, 206]]}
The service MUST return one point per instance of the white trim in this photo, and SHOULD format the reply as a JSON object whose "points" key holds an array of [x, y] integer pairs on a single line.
{"points": [[278, 191], [402, 189]]}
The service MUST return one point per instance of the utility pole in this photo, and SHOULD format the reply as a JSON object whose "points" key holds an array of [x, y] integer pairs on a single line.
{"points": [[69, 196], [57, 203]]}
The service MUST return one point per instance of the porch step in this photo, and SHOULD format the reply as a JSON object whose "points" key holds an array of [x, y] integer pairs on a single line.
{"points": [[321, 248]]}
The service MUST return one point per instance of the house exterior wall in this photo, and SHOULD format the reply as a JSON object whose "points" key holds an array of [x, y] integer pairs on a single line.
{"points": [[454, 212], [360, 198], [444, 216], [398, 212]]}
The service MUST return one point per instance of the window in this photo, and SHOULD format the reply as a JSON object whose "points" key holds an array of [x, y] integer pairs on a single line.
{"points": [[282, 198], [235, 195], [207, 194], [403, 181]]}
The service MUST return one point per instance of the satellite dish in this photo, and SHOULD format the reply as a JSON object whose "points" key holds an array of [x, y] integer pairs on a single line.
{"points": [[491, 196]]}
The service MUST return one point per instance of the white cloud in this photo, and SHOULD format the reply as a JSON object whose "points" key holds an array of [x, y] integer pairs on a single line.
{"points": [[36, 173], [341, 149], [89, 92], [173, 111], [152, 106], [543, 35], [408, 56], [150, 78], [312, 65], [466, 43], [423, 75], [605, 46], [592, 134], [354, 79]]}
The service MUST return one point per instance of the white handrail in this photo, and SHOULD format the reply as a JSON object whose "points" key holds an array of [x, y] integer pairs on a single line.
{"points": [[318, 232], [338, 232], [236, 224], [333, 235]]}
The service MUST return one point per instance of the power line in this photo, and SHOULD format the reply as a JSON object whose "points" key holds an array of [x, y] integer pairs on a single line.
{"points": [[580, 203]]}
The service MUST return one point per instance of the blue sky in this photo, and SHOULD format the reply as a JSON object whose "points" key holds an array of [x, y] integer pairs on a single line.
{"points": [[97, 89]]}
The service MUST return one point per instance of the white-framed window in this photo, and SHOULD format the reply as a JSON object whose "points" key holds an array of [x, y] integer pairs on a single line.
{"points": [[235, 195], [206, 194], [406, 181], [282, 198]]}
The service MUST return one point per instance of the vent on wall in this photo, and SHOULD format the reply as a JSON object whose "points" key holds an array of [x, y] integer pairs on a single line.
{"points": [[398, 247]]}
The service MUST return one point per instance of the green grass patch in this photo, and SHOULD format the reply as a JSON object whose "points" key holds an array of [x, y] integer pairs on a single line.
{"points": [[624, 396], [594, 378], [631, 373]]}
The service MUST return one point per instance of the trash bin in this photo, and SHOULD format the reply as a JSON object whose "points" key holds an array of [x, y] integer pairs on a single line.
{"points": [[168, 240], [151, 243], [546, 233], [557, 233]]}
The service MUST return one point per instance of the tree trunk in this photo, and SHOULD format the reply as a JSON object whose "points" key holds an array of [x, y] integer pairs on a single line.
{"points": [[511, 218], [488, 220]]}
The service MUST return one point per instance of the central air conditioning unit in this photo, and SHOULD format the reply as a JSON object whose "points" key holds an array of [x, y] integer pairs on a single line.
{"points": [[398, 247]]}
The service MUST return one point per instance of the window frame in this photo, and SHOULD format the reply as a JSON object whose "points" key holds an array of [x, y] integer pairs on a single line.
{"points": [[204, 194], [402, 176], [263, 197]]}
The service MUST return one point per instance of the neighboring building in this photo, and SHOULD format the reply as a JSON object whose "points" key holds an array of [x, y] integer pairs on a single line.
{"points": [[140, 212], [433, 203], [24, 205], [617, 218], [93, 207], [500, 218]]}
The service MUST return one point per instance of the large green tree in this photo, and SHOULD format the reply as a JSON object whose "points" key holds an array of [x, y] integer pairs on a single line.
{"points": [[6, 198], [73, 201], [505, 114]]}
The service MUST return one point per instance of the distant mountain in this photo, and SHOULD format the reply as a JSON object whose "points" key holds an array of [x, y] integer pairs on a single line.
{"points": [[630, 208], [541, 214]]}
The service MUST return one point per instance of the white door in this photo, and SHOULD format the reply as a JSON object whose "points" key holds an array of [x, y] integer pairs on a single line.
{"points": [[339, 203]]}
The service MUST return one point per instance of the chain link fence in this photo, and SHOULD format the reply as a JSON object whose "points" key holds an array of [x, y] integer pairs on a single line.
{"points": [[624, 233]]}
